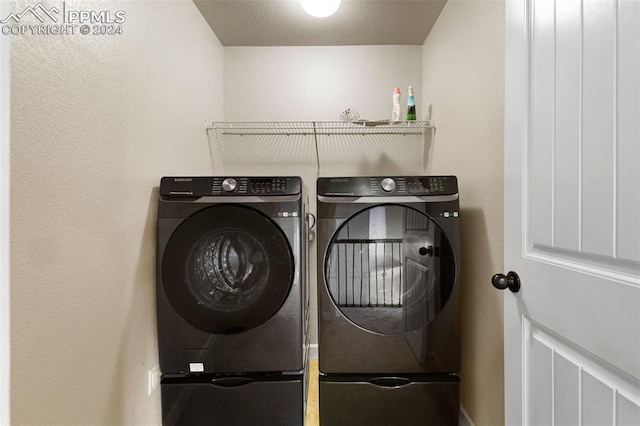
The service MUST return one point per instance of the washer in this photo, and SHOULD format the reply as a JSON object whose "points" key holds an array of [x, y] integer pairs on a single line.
{"points": [[388, 300], [232, 299]]}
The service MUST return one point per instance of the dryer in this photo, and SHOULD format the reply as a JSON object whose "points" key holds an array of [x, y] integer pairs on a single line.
{"points": [[232, 299], [388, 300]]}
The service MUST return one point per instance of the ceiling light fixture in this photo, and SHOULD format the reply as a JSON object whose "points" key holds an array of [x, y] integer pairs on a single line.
{"points": [[320, 8]]}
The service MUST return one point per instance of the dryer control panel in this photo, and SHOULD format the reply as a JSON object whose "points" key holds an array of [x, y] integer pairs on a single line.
{"points": [[387, 186], [201, 186]]}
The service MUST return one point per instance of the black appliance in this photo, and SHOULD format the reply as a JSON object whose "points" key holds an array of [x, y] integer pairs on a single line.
{"points": [[232, 300], [388, 300]]}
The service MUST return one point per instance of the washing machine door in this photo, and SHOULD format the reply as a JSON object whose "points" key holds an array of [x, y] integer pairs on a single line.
{"points": [[390, 269], [227, 269]]}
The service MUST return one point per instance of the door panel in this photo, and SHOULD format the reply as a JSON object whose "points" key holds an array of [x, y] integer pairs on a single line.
{"points": [[568, 383], [628, 129], [598, 118], [572, 197], [566, 170]]}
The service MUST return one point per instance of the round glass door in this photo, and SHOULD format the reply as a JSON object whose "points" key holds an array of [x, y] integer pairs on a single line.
{"points": [[390, 269], [227, 269]]}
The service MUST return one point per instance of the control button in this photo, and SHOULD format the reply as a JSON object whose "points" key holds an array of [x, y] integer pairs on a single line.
{"points": [[455, 214], [388, 185], [229, 184], [446, 214]]}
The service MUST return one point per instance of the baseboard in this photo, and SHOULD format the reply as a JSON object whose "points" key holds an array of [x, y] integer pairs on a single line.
{"points": [[313, 351], [464, 419]]}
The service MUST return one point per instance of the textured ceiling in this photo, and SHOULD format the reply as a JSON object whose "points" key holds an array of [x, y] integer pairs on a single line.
{"points": [[285, 23]]}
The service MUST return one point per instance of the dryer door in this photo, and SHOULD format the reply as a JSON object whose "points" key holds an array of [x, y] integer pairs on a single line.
{"points": [[390, 269], [227, 269]]}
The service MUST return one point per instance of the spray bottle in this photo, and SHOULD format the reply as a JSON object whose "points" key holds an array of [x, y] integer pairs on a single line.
{"points": [[396, 111]]}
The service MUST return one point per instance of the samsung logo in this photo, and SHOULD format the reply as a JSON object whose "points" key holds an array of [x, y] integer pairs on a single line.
{"points": [[339, 180], [182, 179]]}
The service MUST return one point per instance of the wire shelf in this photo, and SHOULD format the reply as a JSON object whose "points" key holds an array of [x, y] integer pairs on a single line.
{"points": [[320, 127], [221, 129], [297, 142]]}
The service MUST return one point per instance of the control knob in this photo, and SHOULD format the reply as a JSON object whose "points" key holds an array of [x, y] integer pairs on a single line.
{"points": [[388, 185], [229, 184]]}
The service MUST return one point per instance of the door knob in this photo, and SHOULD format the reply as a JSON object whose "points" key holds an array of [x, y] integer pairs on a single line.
{"points": [[424, 251], [510, 281]]}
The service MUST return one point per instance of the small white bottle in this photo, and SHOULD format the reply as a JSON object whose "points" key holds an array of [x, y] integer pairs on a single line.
{"points": [[397, 108]]}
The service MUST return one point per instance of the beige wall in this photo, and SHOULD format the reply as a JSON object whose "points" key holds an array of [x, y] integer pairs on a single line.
{"points": [[96, 121], [463, 86], [4, 224], [317, 82]]}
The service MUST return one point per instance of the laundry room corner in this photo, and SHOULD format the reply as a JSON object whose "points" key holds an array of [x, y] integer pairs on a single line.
{"points": [[98, 119], [95, 120], [463, 75]]}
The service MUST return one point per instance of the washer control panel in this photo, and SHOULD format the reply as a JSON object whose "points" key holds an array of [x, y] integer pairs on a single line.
{"points": [[230, 185], [387, 186]]}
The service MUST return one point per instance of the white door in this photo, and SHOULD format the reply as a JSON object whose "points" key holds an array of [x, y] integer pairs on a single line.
{"points": [[572, 212]]}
